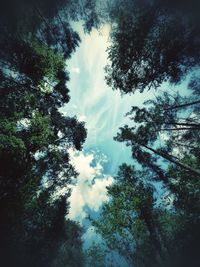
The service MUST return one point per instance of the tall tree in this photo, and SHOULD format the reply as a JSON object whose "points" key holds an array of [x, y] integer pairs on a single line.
{"points": [[128, 221], [35, 170], [151, 42], [147, 230]]}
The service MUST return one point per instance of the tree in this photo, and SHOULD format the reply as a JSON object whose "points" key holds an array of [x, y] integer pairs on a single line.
{"points": [[139, 142], [47, 238], [95, 255], [35, 170], [146, 230], [128, 222], [168, 114], [151, 44]]}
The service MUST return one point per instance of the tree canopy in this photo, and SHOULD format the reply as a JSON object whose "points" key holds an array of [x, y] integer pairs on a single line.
{"points": [[35, 136], [152, 42], [151, 218]]}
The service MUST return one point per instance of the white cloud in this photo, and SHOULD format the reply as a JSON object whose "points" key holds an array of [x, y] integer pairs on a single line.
{"points": [[82, 118], [75, 70], [90, 189]]}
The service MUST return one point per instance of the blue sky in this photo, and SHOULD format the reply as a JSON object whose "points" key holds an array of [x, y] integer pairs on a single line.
{"points": [[103, 110]]}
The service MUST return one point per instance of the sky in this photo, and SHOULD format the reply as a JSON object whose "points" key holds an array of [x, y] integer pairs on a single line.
{"points": [[103, 111]]}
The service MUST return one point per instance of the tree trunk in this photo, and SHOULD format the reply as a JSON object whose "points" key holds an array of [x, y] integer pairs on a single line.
{"points": [[157, 170], [183, 105], [43, 18], [160, 173], [178, 129], [184, 124], [172, 160], [146, 216]]}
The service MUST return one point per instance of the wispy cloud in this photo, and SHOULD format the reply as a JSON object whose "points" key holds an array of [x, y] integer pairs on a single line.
{"points": [[98, 105], [103, 111]]}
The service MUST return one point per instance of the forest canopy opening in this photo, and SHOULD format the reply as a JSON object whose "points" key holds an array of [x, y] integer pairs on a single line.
{"points": [[139, 90]]}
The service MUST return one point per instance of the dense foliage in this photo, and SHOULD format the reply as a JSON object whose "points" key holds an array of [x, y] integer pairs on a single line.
{"points": [[152, 217], [152, 41], [36, 39]]}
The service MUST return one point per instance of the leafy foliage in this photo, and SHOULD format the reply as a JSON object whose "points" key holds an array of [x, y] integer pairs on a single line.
{"points": [[152, 42], [152, 216], [35, 137]]}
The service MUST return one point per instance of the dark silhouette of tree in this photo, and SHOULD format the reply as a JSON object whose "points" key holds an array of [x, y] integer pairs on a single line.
{"points": [[35, 168], [151, 42], [128, 221], [149, 231]]}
